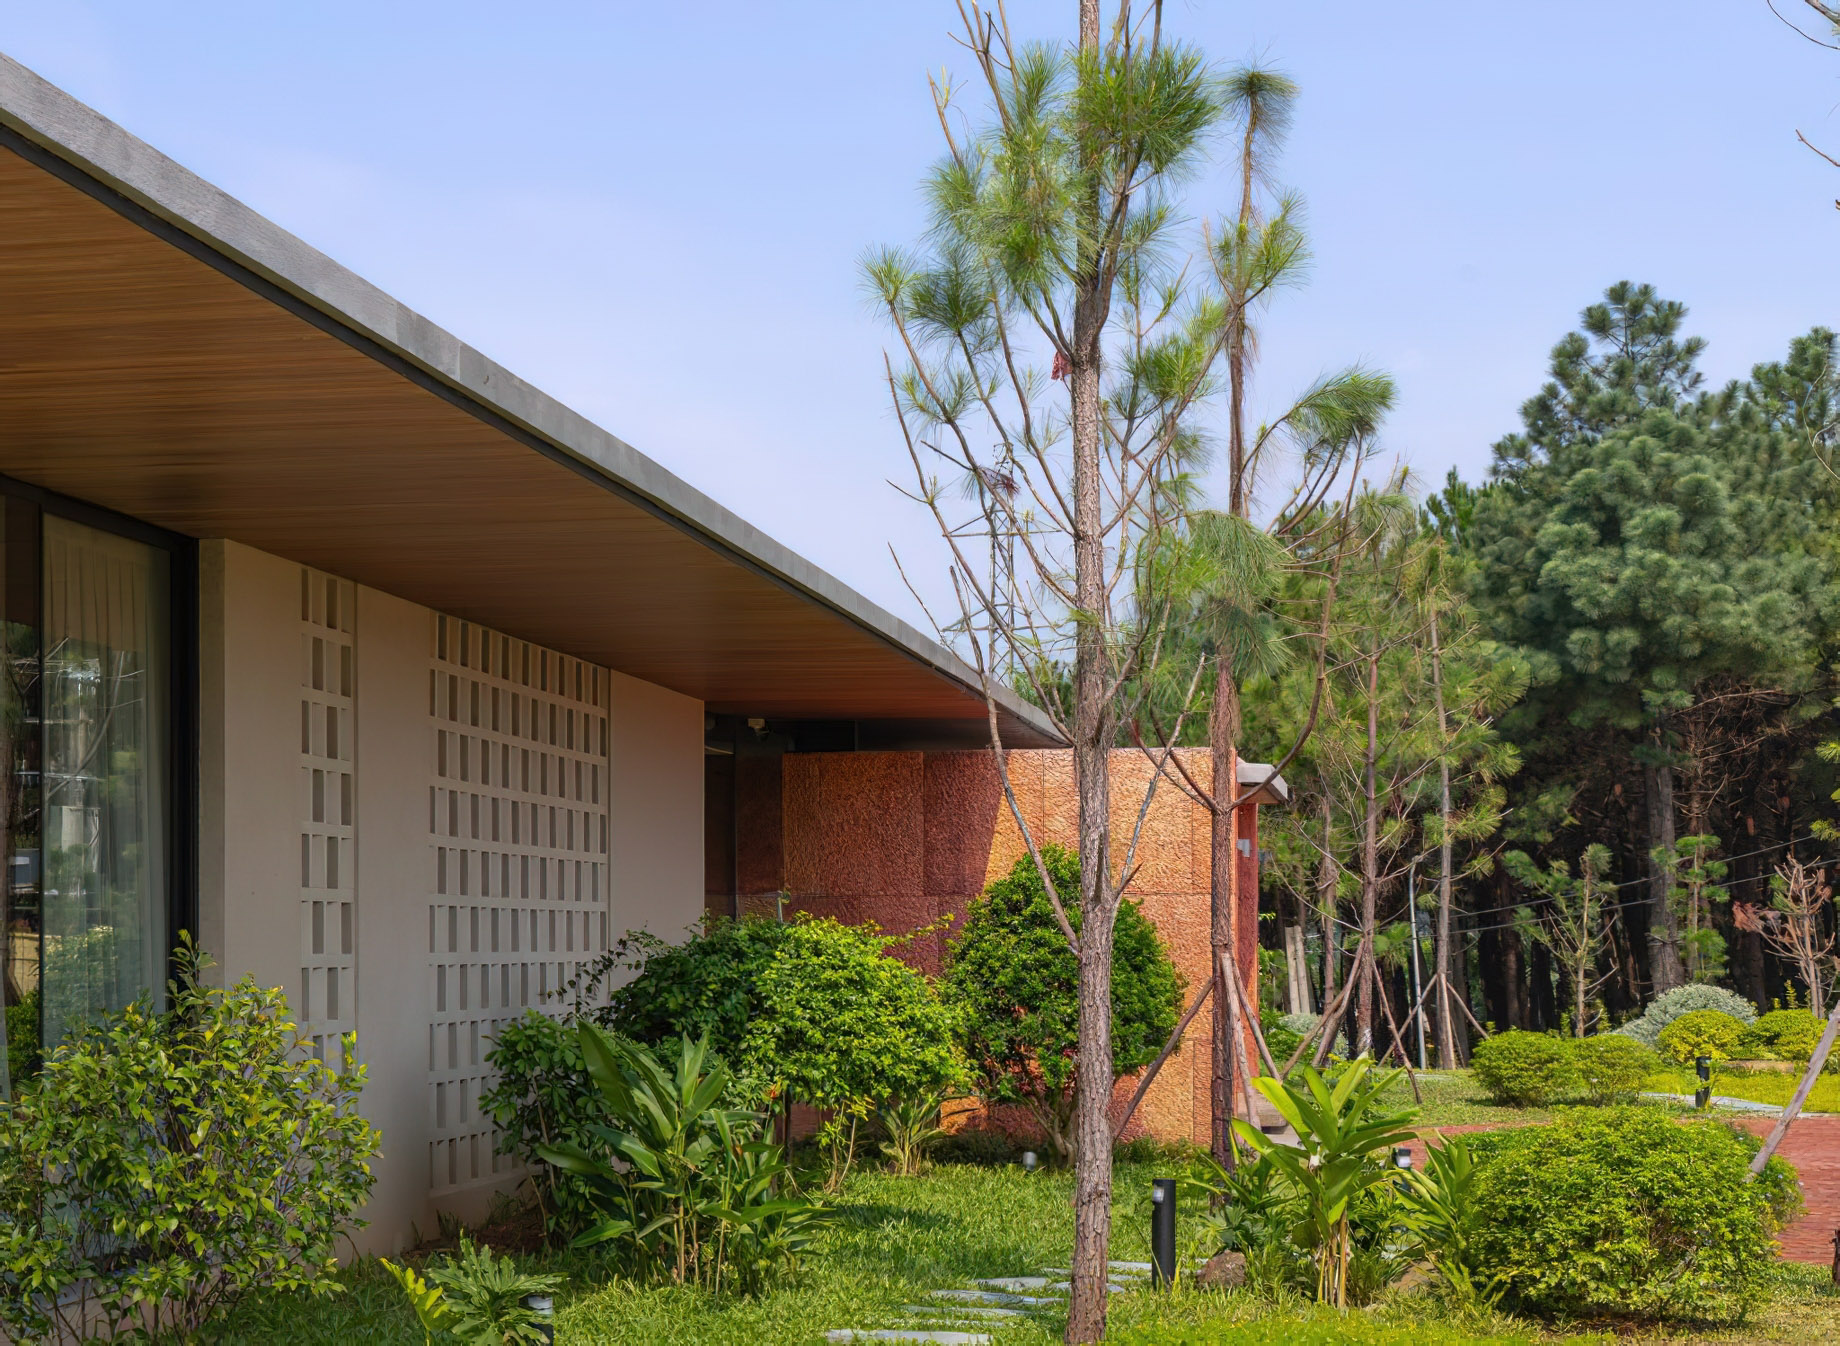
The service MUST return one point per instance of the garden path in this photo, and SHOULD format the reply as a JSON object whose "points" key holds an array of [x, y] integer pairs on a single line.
{"points": [[1813, 1146], [954, 1316]]}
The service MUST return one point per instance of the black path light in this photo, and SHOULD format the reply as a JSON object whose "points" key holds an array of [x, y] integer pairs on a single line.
{"points": [[1703, 1098], [1163, 1232], [543, 1309]]}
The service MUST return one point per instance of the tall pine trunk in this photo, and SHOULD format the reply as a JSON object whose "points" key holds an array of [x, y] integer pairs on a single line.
{"points": [[1325, 901], [1092, 741], [1370, 864], [1446, 1032], [1665, 970], [1223, 839]]}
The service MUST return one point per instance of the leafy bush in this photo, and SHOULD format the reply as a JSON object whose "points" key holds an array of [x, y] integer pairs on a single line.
{"points": [[475, 1298], [1280, 1037], [1670, 1005], [1526, 1069], [678, 1181], [543, 1096], [22, 1055], [1625, 1211], [1613, 1067], [1781, 1035], [1013, 979], [849, 1028], [1710, 1033], [707, 988], [164, 1166]]}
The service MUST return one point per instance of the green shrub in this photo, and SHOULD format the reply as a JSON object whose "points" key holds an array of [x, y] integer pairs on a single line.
{"points": [[1781, 1035], [706, 988], [1710, 1033], [22, 1055], [164, 1166], [1670, 1005], [1627, 1212], [1280, 1037], [1526, 1069], [1014, 981], [1613, 1067], [543, 1096], [846, 1026]]}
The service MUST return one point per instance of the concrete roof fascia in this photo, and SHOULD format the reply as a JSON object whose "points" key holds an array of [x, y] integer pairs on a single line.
{"points": [[82, 137]]}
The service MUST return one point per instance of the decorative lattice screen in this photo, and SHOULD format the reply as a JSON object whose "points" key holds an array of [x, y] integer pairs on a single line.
{"points": [[517, 810], [328, 991]]}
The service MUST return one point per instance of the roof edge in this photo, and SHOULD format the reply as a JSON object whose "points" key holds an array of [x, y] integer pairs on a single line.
{"points": [[77, 134]]}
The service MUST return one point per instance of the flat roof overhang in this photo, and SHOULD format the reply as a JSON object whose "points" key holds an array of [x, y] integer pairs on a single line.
{"points": [[167, 353]]}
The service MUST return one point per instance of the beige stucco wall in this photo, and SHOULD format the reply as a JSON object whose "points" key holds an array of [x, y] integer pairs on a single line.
{"points": [[657, 862], [412, 856]]}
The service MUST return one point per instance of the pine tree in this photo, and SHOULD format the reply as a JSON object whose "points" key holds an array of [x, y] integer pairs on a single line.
{"points": [[1641, 539]]}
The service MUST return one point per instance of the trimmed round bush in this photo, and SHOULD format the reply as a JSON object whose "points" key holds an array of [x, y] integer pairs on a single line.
{"points": [[1710, 1033], [1613, 1067], [1781, 1035], [1670, 1005], [1526, 1069], [1627, 1212]]}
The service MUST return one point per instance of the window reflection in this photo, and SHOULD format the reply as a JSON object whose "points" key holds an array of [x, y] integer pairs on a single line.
{"points": [[85, 699]]}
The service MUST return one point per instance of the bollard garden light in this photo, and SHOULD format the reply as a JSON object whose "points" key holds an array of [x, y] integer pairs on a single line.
{"points": [[1702, 1099], [543, 1309], [1029, 1161], [1163, 1232], [1402, 1158]]}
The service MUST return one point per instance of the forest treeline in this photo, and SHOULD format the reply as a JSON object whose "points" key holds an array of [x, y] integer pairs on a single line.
{"points": [[1573, 713]]}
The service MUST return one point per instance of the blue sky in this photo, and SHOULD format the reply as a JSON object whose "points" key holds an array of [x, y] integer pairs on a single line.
{"points": [[654, 211]]}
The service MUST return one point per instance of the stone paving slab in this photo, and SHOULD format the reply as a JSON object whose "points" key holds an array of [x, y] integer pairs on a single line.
{"points": [[998, 1298], [962, 1311]]}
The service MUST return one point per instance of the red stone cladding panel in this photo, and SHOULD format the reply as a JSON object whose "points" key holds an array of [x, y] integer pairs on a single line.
{"points": [[907, 839], [760, 861]]}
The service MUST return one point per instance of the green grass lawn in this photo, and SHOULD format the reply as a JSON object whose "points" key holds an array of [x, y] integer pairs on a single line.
{"points": [[1760, 1086], [1454, 1098], [896, 1239]]}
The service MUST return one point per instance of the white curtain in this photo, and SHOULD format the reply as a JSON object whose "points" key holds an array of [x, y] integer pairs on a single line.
{"points": [[104, 812]]}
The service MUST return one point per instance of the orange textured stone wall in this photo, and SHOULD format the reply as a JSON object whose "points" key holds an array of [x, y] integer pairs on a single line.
{"points": [[907, 839]]}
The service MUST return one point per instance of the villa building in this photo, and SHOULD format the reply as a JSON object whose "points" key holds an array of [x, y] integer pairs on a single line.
{"points": [[405, 687]]}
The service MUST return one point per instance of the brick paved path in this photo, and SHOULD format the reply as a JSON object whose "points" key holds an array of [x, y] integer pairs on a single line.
{"points": [[1813, 1146]]}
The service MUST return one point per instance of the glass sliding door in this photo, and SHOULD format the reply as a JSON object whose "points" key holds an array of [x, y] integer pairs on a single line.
{"points": [[21, 916], [87, 799], [104, 808]]}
